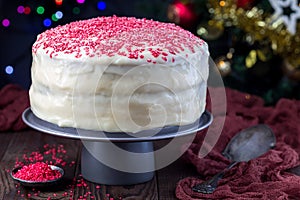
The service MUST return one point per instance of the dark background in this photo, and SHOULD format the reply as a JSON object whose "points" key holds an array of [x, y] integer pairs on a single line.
{"points": [[16, 39], [268, 77]]}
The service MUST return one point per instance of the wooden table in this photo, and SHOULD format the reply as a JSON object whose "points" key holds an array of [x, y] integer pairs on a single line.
{"points": [[15, 144]]}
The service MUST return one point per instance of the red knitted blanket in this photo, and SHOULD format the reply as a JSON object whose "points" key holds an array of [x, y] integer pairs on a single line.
{"points": [[262, 178], [13, 101]]}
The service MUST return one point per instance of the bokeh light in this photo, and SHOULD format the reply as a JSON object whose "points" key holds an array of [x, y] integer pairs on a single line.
{"points": [[20, 9], [76, 10], [54, 18], [9, 69], [101, 5], [27, 10], [59, 15], [59, 2], [222, 3], [80, 1], [40, 10], [5, 22], [47, 22]]}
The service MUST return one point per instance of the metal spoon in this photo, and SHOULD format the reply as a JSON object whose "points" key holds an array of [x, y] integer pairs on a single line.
{"points": [[248, 144], [295, 170], [39, 184]]}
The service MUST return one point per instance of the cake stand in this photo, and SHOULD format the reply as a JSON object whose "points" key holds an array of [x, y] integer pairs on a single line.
{"points": [[99, 150]]}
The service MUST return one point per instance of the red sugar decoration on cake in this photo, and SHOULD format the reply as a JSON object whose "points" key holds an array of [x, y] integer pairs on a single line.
{"points": [[123, 36]]}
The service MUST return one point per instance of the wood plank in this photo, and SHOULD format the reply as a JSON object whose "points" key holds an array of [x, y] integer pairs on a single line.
{"points": [[26, 142], [144, 191], [73, 185], [168, 176], [6, 137], [7, 189], [133, 192]]}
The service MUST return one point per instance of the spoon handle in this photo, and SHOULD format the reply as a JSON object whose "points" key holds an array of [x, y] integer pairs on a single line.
{"points": [[210, 185]]}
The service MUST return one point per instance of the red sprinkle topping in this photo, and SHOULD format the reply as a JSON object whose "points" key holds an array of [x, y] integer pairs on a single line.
{"points": [[39, 171], [123, 36]]}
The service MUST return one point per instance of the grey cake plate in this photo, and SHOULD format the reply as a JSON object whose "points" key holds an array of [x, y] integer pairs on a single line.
{"points": [[99, 143], [164, 133]]}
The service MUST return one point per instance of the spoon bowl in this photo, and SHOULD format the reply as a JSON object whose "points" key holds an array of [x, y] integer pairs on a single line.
{"points": [[250, 143], [27, 183]]}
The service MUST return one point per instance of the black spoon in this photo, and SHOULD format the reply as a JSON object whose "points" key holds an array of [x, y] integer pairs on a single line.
{"points": [[248, 144]]}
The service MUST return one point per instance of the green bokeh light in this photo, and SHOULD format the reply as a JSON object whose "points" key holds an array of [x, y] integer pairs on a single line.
{"points": [[40, 10], [76, 10], [54, 18]]}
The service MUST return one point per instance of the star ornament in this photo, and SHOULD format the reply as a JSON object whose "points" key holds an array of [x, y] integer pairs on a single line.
{"points": [[291, 20]]}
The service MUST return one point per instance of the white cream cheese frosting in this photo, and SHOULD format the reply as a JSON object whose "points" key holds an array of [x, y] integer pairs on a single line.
{"points": [[118, 74]]}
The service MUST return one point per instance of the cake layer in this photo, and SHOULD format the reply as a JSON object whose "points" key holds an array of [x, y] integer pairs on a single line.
{"points": [[98, 78], [120, 113], [118, 74]]}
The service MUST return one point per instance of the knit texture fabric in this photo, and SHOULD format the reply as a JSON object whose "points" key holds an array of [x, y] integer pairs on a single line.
{"points": [[265, 177], [13, 101]]}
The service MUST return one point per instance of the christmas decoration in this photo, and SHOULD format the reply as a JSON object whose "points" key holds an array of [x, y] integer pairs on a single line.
{"points": [[266, 38], [9, 69], [244, 3], [50, 12], [254, 43], [5, 22], [261, 28], [22, 21], [289, 21], [251, 41], [224, 65], [210, 31], [290, 71], [182, 13]]}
